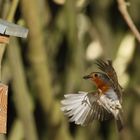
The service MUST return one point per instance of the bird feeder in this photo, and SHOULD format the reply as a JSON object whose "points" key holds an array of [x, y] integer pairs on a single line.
{"points": [[7, 29]]}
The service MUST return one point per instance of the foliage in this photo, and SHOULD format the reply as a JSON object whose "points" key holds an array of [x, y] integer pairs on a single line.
{"points": [[65, 38]]}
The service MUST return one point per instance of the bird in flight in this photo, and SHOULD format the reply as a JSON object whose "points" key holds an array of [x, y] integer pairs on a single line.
{"points": [[103, 104]]}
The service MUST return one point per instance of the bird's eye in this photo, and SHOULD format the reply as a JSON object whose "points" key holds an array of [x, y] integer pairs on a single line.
{"points": [[96, 75]]}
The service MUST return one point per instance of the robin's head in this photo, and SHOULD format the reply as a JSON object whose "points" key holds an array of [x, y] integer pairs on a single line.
{"points": [[100, 79]]}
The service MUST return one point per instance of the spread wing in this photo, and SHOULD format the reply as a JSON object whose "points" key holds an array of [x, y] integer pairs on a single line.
{"points": [[83, 108], [107, 68]]}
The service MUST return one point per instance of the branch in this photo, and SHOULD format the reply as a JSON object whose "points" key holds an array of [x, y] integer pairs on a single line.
{"points": [[39, 62], [21, 93], [123, 9]]}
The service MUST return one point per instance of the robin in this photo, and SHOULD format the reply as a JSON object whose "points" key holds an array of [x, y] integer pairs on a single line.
{"points": [[102, 104]]}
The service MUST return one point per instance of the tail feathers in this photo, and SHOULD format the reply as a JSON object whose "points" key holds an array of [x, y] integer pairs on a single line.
{"points": [[120, 123], [76, 107]]}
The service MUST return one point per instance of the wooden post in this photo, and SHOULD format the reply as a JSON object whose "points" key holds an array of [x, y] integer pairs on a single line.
{"points": [[3, 107], [7, 29], [4, 39]]}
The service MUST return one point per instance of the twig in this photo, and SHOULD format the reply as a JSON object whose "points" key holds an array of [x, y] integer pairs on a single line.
{"points": [[12, 10], [42, 75], [16, 132], [21, 93], [123, 9]]}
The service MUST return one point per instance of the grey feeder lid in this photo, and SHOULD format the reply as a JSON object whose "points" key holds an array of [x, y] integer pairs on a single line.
{"points": [[11, 29]]}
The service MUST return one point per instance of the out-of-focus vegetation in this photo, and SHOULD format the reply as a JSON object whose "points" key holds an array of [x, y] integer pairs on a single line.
{"points": [[65, 38]]}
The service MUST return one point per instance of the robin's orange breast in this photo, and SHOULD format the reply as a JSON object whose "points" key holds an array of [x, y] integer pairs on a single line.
{"points": [[103, 86]]}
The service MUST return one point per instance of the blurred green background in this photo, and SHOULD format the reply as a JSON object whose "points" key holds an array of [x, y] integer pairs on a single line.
{"points": [[65, 38]]}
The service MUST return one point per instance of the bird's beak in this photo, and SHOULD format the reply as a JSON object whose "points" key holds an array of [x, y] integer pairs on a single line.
{"points": [[87, 76]]}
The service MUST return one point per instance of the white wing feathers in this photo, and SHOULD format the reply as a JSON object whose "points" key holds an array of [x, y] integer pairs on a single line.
{"points": [[84, 107], [76, 106]]}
